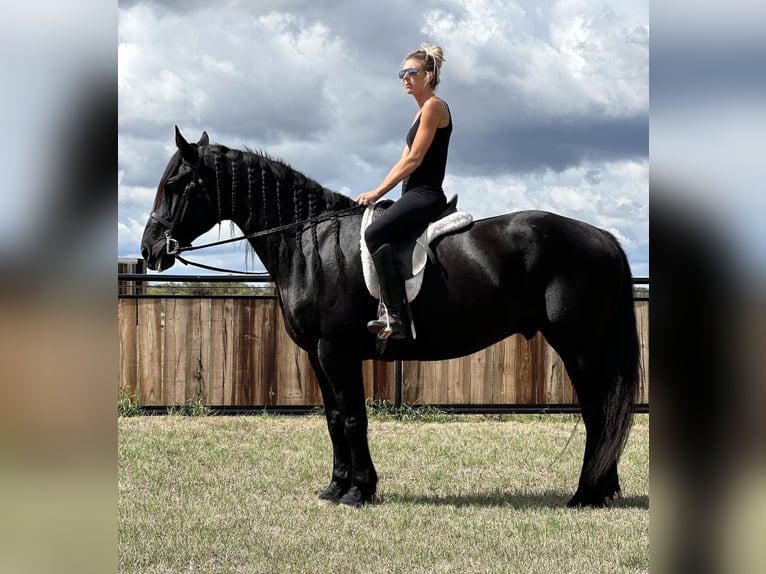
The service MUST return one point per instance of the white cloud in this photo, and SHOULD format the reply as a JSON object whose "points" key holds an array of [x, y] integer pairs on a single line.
{"points": [[544, 98], [587, 59], [136, 196], [615, 202], [262, 78], [129, 232], [607, 55]]}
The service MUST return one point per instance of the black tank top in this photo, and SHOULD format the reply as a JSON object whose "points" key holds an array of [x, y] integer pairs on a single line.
{"points": [[430, 173]]}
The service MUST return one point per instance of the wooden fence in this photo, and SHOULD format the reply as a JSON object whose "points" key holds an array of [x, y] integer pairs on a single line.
{"points": [[236, 352]]}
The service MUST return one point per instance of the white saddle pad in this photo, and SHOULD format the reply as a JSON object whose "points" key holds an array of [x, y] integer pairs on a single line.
{"points": [[452, 222]]}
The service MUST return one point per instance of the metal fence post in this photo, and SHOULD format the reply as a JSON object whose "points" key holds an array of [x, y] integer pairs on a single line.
{"points": [[397, 383]]}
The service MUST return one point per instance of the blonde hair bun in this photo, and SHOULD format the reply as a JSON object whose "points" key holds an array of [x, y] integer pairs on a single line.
{"points": [[431, 58], [434, 52]]}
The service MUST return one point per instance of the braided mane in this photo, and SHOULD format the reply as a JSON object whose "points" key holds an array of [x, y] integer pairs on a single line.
{"points": [[266, 192]]}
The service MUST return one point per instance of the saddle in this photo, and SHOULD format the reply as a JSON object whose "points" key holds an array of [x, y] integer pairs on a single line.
{"points": [[411, 255]]}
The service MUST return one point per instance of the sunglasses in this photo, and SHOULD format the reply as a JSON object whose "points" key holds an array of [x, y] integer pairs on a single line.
{"points": [[408, 72]]}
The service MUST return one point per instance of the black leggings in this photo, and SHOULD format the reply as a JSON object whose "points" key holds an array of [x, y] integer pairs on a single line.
{"points": [[407, 218]]}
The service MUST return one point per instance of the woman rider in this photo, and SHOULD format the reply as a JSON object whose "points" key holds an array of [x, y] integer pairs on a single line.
{"points": [[421, 171]]}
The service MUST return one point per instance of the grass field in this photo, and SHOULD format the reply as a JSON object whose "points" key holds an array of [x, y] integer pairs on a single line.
{"points": [[456, 494]]}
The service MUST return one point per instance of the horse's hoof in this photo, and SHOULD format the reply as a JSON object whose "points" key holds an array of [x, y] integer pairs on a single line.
{"points": [[354, 498], [332, 494], [596, 497], [586, 500]]}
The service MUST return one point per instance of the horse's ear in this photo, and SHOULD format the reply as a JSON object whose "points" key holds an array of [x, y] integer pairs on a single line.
{"points": [[188, 151], [203, 139]]}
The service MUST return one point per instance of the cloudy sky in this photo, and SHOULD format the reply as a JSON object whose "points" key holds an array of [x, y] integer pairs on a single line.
{"points": [[550, 101]]}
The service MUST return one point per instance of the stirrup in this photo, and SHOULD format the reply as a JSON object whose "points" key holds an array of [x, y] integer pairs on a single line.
{"points": [[388, 331], [375, 326], [384, 328]]}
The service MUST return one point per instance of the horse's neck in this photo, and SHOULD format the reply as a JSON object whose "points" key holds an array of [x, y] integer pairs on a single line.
{"points": [[260, 194]]}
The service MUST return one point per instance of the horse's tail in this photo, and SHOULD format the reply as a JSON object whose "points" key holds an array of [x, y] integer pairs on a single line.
{"points": [[621, 377]]}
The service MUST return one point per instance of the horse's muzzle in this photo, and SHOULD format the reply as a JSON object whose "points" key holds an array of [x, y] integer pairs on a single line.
{"points": [[156, 256]]}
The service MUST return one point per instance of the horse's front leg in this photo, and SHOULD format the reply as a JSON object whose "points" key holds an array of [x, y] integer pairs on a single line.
{"points": [[344, 375], [341, 464]]}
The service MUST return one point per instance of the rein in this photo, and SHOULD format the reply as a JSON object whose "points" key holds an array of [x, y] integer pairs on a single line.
{"points": [[273, 230], [172, 246]]}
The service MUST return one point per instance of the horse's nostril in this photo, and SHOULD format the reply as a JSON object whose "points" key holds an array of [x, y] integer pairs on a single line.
{"points": [[145, 252]]}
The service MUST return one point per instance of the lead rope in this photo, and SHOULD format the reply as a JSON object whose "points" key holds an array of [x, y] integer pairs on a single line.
{"points": [[566, 446]]}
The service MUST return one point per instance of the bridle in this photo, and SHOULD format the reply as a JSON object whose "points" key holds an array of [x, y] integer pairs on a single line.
{"points": [[178, 210]]}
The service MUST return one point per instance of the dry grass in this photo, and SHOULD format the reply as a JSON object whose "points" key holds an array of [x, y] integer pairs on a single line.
{"points": [[470, 495]]}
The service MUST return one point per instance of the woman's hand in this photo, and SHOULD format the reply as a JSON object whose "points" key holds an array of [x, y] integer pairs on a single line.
{"points": [[367, 198]]}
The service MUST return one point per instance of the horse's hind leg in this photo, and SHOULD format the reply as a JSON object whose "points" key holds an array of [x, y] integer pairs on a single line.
{"points": [[341, 454], [345, 379], [599, 481], [598, 478]]}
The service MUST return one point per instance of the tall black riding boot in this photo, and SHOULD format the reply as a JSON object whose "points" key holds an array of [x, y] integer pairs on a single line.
{"points": [[389, 321]]}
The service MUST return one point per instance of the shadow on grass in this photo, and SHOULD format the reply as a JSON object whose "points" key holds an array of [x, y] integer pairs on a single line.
{"points": [[508, 499]]}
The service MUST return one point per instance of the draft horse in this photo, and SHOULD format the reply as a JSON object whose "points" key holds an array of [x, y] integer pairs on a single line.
{"points": [[521, 272]]}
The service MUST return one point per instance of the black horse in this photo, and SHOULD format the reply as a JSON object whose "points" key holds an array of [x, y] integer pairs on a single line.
{"points": [[522, 273]]}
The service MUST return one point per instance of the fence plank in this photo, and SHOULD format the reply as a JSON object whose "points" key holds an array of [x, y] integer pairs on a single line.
{"points": [[642, 323], [219, 359], [368, 376], [127, 331], [263, 341], [524, 374], [383, 387], [437, 373], [176, 351], [150, 353], [245, 358], [481, 377], [552, 385], [197, 388], [412, 389], [505, 369]]}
